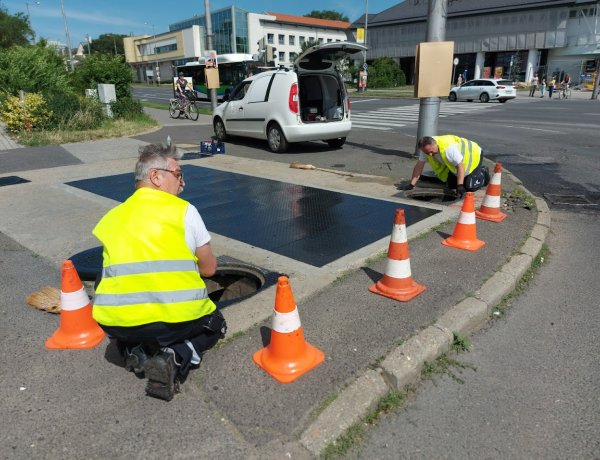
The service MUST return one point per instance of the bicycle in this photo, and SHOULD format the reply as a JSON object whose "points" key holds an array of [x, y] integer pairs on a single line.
{"points": [[190, 109], [564, 92]]}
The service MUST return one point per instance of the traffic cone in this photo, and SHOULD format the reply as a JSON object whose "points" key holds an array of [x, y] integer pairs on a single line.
{"points": [[490, 207], [397, 282], [77, 327], [288, 356], [465, 232]]}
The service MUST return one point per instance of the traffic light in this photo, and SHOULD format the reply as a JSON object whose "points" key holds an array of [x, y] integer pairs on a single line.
{"points": [[271, 53]]}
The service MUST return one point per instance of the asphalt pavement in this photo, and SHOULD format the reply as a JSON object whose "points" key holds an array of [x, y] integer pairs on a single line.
{"points": [[82, 403]]}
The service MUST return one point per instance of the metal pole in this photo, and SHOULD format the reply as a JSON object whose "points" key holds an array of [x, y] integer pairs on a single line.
{"points": [[209, 42], [596, 80], [366, 23], [429, 107], [69, 52], [87, 37]]}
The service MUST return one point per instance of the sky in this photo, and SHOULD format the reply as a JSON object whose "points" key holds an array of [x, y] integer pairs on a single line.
{"points": [[137, 17]]}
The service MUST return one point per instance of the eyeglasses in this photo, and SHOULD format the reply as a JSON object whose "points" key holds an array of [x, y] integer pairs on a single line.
{"points": [[178, 174]]}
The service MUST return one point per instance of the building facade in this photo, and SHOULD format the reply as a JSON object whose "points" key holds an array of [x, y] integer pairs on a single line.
{"points": [[505, 38], [234, 31]]}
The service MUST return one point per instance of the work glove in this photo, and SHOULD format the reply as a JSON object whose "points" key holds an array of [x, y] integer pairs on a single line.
{"points": [[408, 186], [460, 191]]}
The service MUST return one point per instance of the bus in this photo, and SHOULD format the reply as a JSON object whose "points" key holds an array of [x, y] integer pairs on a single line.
{"points": [[233, 68]]}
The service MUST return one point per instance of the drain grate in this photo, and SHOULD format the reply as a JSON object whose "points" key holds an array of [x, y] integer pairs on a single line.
{"points": [[12, 180], [569, 200]]}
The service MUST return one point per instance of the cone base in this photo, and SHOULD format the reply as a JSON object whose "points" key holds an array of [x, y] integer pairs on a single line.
{"points": [[62, 341], [403, 294], [287, 371], [470, 245], [494, 217]]}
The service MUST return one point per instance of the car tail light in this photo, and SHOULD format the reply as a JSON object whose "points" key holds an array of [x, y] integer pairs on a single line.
{"points": [[293, 99], [347, 99]]}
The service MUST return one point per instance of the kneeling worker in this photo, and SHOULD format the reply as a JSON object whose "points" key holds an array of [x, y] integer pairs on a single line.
{"points": [[151, 297], [454, 160]]}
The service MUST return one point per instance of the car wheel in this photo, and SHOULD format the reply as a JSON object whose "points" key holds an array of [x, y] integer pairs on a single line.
{"points": [[219, 128], [485, 97], [502, 100], [452, 97], [277, 141], [336, 143]]}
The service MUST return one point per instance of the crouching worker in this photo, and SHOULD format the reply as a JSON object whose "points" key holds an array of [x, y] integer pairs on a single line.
{"points": [[455, 160], [151, 297]]}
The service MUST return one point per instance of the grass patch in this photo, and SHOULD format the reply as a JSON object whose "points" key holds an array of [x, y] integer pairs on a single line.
{"points": [[444, 365], [354, 435], [461, 343], [521, 195], [501, 309], [107, 130], [400, 91], [324, 405]]}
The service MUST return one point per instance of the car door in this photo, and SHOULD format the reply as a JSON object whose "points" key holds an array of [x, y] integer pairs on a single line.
{"points": [[255, 105], [466, 91], [234, 112]]}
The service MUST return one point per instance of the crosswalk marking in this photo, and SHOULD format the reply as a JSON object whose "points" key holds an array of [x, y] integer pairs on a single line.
{"points": [[388, 118]]}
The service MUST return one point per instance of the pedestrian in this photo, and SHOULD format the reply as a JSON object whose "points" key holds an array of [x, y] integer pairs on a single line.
{"points": [[533, 85], [151, 297], [543, 87], [459, 80], [551, 86], [454, 160]]}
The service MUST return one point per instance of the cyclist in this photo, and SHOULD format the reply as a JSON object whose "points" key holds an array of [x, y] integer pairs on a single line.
{"points": [[180, 87]]}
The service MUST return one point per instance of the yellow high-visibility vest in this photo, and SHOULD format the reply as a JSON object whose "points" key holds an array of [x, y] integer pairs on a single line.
{"points": [[148, 273], [470, 150]]}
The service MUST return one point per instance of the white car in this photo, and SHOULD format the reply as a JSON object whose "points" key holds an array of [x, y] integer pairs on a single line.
{"points": [[484, 90], [308, 103]]}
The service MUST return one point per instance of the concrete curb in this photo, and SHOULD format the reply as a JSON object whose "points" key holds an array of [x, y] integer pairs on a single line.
{"points": [[402, 367]]}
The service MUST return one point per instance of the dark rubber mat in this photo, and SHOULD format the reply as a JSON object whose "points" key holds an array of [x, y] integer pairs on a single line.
{"points": [[307, 224], [30, 158], [12, 180]]}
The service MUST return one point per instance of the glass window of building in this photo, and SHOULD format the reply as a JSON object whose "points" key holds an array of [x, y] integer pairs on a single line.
{"points": [[282, 56], [311, 39], [329, 40], [270, 38], [320, 41], [281, 39], [292, 39], [302, 40]]}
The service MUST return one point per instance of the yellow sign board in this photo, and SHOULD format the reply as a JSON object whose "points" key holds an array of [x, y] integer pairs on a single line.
{"points": [[360, 35]]}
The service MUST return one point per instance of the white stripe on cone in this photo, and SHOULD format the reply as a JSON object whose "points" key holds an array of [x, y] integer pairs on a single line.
{"points": [[74, 300], [399, 233], [491, 201], [467, 218], [398, 268], [496, 179], [286, 322]]}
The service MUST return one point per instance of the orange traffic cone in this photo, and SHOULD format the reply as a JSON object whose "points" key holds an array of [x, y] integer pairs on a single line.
{"points": [[465, 232], [288, 356], [397, 282], [77, 327], [490, 207]]}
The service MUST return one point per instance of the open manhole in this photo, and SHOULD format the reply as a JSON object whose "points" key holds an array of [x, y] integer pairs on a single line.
{"points": [[235, 280], [430, 195]]}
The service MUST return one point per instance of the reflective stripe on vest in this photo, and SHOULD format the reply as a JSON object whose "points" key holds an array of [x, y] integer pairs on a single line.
{"points": [[135, 298], [148, 267]]}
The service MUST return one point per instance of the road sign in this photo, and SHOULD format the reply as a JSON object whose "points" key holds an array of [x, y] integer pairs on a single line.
{"points": [[455, 61], [365, 65]]}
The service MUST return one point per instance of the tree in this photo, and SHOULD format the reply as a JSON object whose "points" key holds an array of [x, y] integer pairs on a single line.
{"points": [[16, 29], [108, 43], [386, 73], [307, 44], [327, 14]]}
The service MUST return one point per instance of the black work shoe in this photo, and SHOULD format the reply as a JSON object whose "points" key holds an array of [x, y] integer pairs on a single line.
{"points": [[486, 175], [135, 359], [161, 372]]}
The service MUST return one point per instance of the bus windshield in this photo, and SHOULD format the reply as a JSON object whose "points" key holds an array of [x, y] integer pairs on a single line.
{"points": [[233, 68]]}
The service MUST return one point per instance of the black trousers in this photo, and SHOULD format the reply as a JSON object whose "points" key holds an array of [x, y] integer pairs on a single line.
{"points": [[472, 182], [203, 333]]}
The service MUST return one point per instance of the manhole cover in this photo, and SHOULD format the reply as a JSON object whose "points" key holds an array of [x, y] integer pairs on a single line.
{"points": [[430, 195], [12, 180], [571, 200]]}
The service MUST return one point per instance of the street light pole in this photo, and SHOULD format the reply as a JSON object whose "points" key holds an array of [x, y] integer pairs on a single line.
{"points": [[69, 52], [366, 23], [209, 42]]}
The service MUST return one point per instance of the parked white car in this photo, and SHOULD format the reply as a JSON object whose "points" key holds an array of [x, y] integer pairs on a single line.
{"points": [[484, 90], [306, 103]]}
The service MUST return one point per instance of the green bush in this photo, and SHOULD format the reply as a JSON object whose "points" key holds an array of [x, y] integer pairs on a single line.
{"points": [[386, 73], [34, 115], [127, 108], [103, 68], [63, 105], [89, 115]]}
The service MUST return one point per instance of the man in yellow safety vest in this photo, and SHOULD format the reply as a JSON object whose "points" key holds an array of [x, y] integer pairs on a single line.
{"points": [[151, 297], [455, 160]]}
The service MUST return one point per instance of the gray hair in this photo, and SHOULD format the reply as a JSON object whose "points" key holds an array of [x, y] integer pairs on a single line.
{"points": [[426, 140], [154, 156]]}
